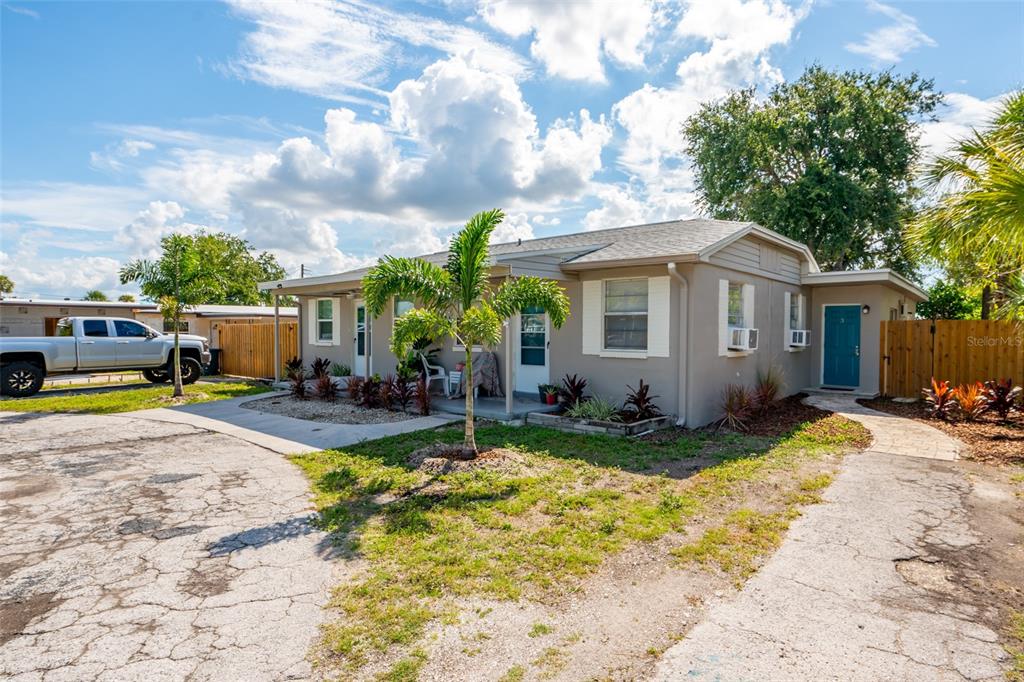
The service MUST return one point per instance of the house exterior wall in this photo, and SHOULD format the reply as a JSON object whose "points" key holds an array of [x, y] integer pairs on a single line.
{"points": [[882, 300], [709, 371], [30, 320], [200, 326]]}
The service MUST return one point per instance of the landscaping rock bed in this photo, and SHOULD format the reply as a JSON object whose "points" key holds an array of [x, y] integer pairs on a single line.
{"points": [[563, 423], [341, 411]]}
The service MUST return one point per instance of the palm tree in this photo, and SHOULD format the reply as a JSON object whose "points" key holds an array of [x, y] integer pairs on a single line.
{"points": [[177, 281], [978, 215], [456, 300]]}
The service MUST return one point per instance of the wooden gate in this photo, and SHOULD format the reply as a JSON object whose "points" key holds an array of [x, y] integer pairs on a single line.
{"points": [[247, 350], [961, 351]]}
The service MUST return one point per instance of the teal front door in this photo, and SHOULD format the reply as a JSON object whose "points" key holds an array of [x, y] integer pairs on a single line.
{"points": [[842, 346]]}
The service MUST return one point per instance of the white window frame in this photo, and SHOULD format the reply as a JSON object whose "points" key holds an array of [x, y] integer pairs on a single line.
{"points": [[749, 295], [801, 302], [607, 352], [168, 326], [394, 309], [317, 320]]}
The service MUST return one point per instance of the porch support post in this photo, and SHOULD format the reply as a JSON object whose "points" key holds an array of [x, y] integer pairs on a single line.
{"points": [[277, 339], [367, 341], [509, 387]]}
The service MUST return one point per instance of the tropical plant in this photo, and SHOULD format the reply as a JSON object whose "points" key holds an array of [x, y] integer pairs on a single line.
{"points": [[95, 295], [423, 396], [320, 367], [369, 392], [6, 285], [947, 301], [178, 281], [405, 389], [1002, 396], [325, 388], [639, 403], [386, 392], [737, 407], [340, 369], [826, 159], [456, 300], [597, 409], [238, 269], [292, 366], [354, 386], [970, 399], [297, 384], [126, 298], [767, 388], [939, 399], [572, 390], [977, 213]]}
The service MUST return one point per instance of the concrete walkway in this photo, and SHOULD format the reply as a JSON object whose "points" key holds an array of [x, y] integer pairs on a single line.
{"points": [[285, 435], [882, 581]]}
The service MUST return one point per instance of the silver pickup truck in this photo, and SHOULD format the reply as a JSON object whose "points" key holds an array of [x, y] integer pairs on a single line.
{"points": [[93, 344]]}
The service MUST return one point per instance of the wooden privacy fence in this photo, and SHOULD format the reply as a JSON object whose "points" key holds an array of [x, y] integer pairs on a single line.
{"points": [[247, 350], [961, 351]]}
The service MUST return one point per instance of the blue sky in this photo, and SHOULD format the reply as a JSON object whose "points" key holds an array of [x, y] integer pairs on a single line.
{"points": [[332, 132]]}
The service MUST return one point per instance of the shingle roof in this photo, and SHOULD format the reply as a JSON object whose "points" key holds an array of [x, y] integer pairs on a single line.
{"points": [[654, 240]]}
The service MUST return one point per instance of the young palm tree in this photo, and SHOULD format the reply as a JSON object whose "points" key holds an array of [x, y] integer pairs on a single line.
{"points": [[177, 281], [456, 300], [979, 212]]}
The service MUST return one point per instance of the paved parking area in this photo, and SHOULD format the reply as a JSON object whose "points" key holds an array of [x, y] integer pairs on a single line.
{"points": [[136, 549]]}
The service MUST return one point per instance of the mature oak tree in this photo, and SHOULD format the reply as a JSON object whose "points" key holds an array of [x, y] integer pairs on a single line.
{"points": [[827, 160], [236, 269]]}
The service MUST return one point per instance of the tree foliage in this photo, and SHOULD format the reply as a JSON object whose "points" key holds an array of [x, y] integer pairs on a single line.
{"points": [[947, 301], [977, 210], [126, 298], [178, 281], [236, 269], [826, 160], [95, 295], [6, 285], [457, 300]]}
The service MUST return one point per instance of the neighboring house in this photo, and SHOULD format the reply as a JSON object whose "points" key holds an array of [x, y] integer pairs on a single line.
{"points": [[689, 306], [206, 320], [38, 317]]}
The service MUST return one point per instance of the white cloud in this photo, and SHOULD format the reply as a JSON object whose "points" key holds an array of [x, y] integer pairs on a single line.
{"points": [[35, 274], [958, 115], [515, 226], [25, 11], [141, 237], [570, 38], [345, 50], [113, 157], [888, 44], [738, 36], [73, 205]]}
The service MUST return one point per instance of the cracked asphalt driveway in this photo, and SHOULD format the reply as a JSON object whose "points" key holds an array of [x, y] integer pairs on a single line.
{"points": [[135, 549]]}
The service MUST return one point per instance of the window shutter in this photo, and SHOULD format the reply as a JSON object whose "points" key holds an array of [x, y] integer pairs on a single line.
{"points": [[787, 301], [748, 306], [311, 334], [335, 322], [592, 317], [723, 317], [659, 314]]}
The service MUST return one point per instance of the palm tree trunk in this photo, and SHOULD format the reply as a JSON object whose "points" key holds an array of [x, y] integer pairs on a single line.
{"points": [[470, 440], [179, 390], [986, 302]]}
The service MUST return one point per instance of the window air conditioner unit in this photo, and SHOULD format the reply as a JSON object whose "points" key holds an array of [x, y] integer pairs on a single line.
{"points": [[800, 338], [742, 338]]}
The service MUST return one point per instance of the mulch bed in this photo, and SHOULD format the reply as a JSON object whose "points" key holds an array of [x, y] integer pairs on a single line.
{"points": [[444, 458], [987, 439]]}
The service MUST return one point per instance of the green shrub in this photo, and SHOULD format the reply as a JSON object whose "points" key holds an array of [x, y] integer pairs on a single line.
{"points": [[597, 408]]}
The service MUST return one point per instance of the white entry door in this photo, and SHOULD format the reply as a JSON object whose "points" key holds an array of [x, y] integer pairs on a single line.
{"points": [[359, 362], [532, 361]]}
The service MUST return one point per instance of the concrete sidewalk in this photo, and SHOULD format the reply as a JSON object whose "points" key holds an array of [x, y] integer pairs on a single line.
{"points": [[281, 434], [883, 581]]}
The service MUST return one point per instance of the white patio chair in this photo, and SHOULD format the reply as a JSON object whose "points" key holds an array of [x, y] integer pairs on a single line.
{"points": [[435, 373]]}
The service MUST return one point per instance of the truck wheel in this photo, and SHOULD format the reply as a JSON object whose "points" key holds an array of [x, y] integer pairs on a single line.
{"points": [[21, 379], [191, 370], [156, 376]]}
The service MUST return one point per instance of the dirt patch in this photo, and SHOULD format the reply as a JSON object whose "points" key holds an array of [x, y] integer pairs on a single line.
{"points": [[191, 397], [211, 578], [445, 458], [17, 613], [341, 411], [28, 485], [988, 439]]}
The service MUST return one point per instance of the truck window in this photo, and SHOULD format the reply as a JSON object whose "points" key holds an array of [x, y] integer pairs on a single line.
{"points": [[94, 327], [126, 328], [64, 328]]}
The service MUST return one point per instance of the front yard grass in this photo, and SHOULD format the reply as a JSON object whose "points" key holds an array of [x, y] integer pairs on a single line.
{"points": [[132, 399], [536, 532]]}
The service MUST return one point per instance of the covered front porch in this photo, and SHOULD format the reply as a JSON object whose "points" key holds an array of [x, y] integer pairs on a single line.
{"points": [[499, 409]]}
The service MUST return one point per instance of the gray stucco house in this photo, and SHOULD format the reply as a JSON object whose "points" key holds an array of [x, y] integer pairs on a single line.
{"points": [[687, 305]]}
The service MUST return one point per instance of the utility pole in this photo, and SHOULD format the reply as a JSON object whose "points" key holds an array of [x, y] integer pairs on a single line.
{"points": [[302, 270]]}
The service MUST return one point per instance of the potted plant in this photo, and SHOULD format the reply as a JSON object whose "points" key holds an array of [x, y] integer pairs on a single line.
{"points": [[551, 394]]}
